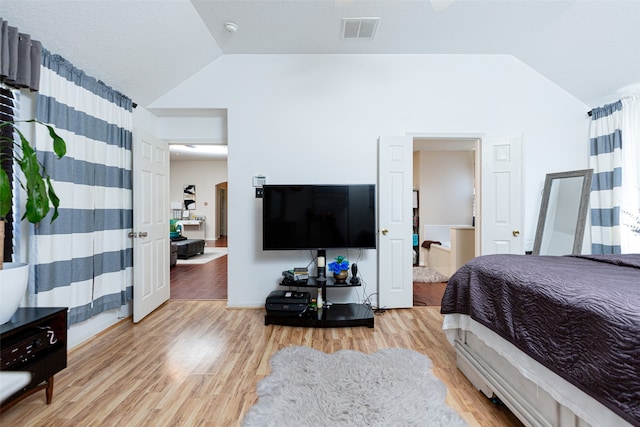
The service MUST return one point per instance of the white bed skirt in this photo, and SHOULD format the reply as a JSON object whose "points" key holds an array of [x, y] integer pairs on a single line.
{"points": [[536, 395]]}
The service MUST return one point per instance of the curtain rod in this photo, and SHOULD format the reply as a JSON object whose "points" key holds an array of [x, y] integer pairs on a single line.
{"points": [[628, 95]]}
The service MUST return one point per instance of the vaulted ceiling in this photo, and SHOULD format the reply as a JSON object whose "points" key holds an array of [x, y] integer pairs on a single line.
{"points": [[144, 48]]}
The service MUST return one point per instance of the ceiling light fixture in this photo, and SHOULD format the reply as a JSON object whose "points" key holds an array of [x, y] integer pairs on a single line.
{"points": [[230, 27], [439, 5], [198, 149]]}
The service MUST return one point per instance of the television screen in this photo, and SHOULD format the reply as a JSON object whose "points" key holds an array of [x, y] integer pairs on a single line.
{"points": [[319, 217]]}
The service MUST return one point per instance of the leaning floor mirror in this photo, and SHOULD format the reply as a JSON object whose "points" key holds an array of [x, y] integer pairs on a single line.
{"points": [[563, 213]]}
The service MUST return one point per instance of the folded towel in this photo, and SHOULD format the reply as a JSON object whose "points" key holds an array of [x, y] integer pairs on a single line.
{"points": [[427, 243]]}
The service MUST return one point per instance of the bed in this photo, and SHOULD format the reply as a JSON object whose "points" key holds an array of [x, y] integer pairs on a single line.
{"points": [[556, 338]]}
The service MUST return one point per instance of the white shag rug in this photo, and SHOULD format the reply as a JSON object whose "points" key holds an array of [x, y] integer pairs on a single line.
{"points": [[428, 275], [210, 253], [392, 387]]}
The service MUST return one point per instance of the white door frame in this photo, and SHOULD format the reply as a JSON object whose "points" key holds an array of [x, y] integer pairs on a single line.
{"points": [[518, 220], [481, 169], [476, 140]]}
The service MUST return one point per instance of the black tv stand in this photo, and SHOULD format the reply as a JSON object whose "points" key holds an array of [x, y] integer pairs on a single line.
{"points": [[329, 316]]}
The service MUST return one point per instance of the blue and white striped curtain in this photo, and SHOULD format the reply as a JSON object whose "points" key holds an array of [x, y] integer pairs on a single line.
{"points": [[615, 193], [630, 206], [83, 260]]}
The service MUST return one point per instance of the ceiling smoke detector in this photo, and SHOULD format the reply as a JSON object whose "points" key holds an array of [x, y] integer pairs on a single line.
{"points": [[359, 28], [230, 27]]}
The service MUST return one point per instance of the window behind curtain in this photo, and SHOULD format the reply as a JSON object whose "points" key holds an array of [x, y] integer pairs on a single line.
{"points": [[7, 113]]}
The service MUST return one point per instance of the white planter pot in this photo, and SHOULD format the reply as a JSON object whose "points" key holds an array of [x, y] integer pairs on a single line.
{"points": [[14, 277]]}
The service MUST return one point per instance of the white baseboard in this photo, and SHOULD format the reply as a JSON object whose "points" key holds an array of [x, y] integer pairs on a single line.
{"points": [[81, 332]]}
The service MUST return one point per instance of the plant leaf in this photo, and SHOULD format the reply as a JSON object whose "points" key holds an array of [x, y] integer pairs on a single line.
{"points": [[59, 145], [5, 194], [37, 205], [55, 201], [39, 193], [37, 201]]}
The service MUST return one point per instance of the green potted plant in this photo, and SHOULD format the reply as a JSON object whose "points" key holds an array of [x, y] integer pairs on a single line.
{"points": [[340, 268], [40, 195]]}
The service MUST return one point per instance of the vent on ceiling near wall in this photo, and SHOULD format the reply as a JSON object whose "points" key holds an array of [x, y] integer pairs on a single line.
{"points": [[359, 28]]}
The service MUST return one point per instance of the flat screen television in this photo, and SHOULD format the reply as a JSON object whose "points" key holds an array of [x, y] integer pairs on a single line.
{"points": [[319, 217]]}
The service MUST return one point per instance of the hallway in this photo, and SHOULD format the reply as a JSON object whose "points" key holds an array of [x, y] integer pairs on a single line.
{"points": [[201, 281]]}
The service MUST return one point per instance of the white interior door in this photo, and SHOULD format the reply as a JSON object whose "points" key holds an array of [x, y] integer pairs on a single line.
{"points": [[501, 204], [151, 286], [395, 243]]}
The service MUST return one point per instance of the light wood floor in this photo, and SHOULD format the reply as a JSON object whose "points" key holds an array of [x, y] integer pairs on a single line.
{"points": [[197, 363]]}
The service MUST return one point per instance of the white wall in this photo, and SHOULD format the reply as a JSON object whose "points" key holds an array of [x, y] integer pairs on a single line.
{"points": [[205, 175], [446, 180], [316, 119], [203, 129]]}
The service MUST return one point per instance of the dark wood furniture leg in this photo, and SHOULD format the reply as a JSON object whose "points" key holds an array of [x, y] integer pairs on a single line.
{"points": [[47, 385], [49, 390]]}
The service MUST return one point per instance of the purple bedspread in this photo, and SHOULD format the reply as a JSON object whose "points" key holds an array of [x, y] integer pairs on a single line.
{"points": [[577, 315]]}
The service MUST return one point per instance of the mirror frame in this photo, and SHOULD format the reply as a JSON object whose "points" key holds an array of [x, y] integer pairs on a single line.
{"points": [[587, 175]]}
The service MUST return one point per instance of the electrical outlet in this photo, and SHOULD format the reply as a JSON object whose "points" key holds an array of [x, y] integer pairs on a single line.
{"points": [[259, 193]]}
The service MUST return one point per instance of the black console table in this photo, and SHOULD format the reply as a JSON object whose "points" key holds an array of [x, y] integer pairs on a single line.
{"points": [[35, 341], [329, 316]]}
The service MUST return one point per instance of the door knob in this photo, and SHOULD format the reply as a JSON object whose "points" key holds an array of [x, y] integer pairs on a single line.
{"points": [[142, 234], [133, 234], [385, 231], [516, 233]]}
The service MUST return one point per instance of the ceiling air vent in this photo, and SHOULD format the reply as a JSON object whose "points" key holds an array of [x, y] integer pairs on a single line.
{"points": [[359, 28]]}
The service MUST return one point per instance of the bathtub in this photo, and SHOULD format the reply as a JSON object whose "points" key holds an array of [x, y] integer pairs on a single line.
{"points": [[457, 246]]}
